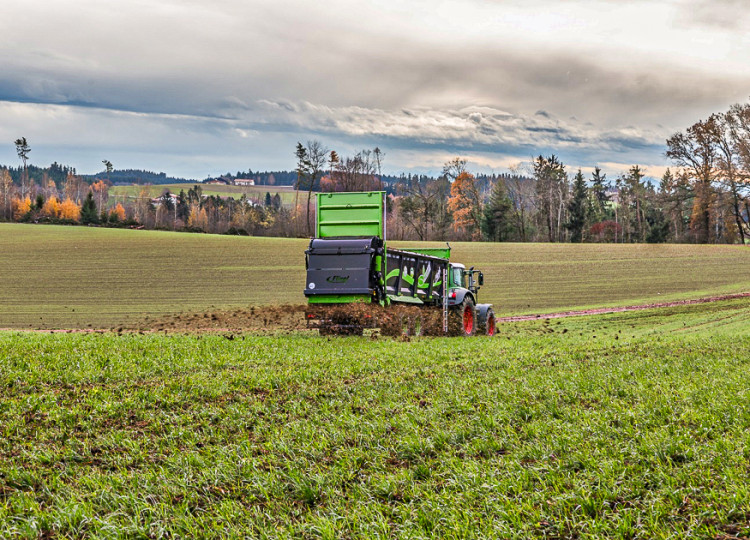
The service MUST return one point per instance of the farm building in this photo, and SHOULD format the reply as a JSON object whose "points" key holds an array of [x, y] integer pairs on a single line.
{"points": [[157, 201]]}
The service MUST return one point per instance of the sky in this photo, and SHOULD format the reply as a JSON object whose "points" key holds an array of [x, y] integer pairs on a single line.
{"points": [[197, 88]]}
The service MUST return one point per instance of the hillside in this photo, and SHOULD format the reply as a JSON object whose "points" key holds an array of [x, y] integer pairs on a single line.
{"points": [[55, 276]]}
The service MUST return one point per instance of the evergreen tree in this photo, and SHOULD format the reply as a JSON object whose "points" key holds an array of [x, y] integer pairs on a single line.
{"points": [[183, 207], [633, 200], [88, 210], [496, 218], [658, 230], [577, 208], [599, 187], [268, 202]]}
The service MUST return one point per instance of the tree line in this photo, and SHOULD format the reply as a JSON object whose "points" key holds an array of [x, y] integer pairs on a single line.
{"points": [[703, 198]]}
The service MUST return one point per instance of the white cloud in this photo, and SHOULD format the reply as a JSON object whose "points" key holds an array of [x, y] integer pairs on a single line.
{"points": [[615, 78]]}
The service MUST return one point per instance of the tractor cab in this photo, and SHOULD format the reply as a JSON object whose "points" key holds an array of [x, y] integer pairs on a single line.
{"points": [[460, 278]]}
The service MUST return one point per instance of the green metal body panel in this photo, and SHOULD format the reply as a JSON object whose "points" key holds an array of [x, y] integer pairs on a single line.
{"points": [[443, 253], [351, 214], [362, 215], [339, 299], [405, 299]]}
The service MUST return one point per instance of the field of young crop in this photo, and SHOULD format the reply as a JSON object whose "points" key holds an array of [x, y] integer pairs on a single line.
{"points": [[76, 277], [617, 426], [287, 193]]}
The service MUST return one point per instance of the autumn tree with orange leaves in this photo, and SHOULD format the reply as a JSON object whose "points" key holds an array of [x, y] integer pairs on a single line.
{"points": [[21, 208], [117, 214], [465, 204], [69, 210], [51, 208]]}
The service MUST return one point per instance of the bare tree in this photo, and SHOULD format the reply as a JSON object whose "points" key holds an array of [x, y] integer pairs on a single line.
{"points": [[6, 188], [733, 140], [23, 149], [418, 206], [379, 155], [357, 173], [551, 194], [521, 189], [695, 150], [453, 168], [311, 162]]}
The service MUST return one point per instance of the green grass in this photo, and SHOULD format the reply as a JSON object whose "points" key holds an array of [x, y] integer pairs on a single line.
{"points": [[631, 425], [62, 277], [77, 276], [538, 278], [65, 277], [287, 193]]}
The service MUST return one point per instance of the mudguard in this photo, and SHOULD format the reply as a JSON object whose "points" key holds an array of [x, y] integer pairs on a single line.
{"points": [[482, 313], [460, 295]]}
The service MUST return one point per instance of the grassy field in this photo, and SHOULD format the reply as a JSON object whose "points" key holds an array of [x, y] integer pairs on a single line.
{"points": [[74, 277], [618, 426], [287, 193]]}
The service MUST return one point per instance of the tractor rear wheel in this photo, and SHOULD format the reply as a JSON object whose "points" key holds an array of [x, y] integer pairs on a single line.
{"points": [[464, 319]]}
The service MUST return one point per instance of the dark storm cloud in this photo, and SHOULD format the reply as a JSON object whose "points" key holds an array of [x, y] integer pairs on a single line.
{"points": [[505, 77], [519, 81]]}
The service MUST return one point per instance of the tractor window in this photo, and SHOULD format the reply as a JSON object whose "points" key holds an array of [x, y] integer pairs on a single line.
{"points": [[458, 278]]}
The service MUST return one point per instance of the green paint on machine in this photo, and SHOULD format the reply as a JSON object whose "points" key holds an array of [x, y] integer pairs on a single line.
{"points": [[351, 215], [339, 299], [348, 261]]}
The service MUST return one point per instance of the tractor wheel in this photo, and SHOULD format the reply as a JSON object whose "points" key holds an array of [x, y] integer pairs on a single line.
{"points": [[464, 319], [489, 323]]}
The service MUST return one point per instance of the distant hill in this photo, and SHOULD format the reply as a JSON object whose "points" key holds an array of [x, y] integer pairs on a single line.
{"points": [[58, 173], [135, 176], [55, 172]]}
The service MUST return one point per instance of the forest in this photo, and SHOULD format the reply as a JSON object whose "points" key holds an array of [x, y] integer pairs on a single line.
{"points": [[704, 197]]}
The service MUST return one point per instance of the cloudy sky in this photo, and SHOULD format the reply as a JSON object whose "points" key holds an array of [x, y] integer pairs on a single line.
{"points": [[197, 88]]}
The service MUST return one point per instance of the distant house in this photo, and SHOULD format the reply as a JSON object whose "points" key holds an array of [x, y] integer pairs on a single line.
{"points": [[244, 182], [156, 201], [218, 181]]}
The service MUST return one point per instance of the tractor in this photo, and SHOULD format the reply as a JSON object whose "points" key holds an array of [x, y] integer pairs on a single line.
{"points": [[354, 281]]}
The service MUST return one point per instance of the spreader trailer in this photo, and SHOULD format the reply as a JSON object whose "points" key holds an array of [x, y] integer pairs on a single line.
{"points": [[354, 281]]}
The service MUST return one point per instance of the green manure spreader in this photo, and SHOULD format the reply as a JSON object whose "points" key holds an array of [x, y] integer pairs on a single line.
{"points": [[355, 281]]}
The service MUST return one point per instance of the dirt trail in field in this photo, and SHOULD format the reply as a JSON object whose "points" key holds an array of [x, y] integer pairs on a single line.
{"points": [[601, 311], [290, 318]]}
